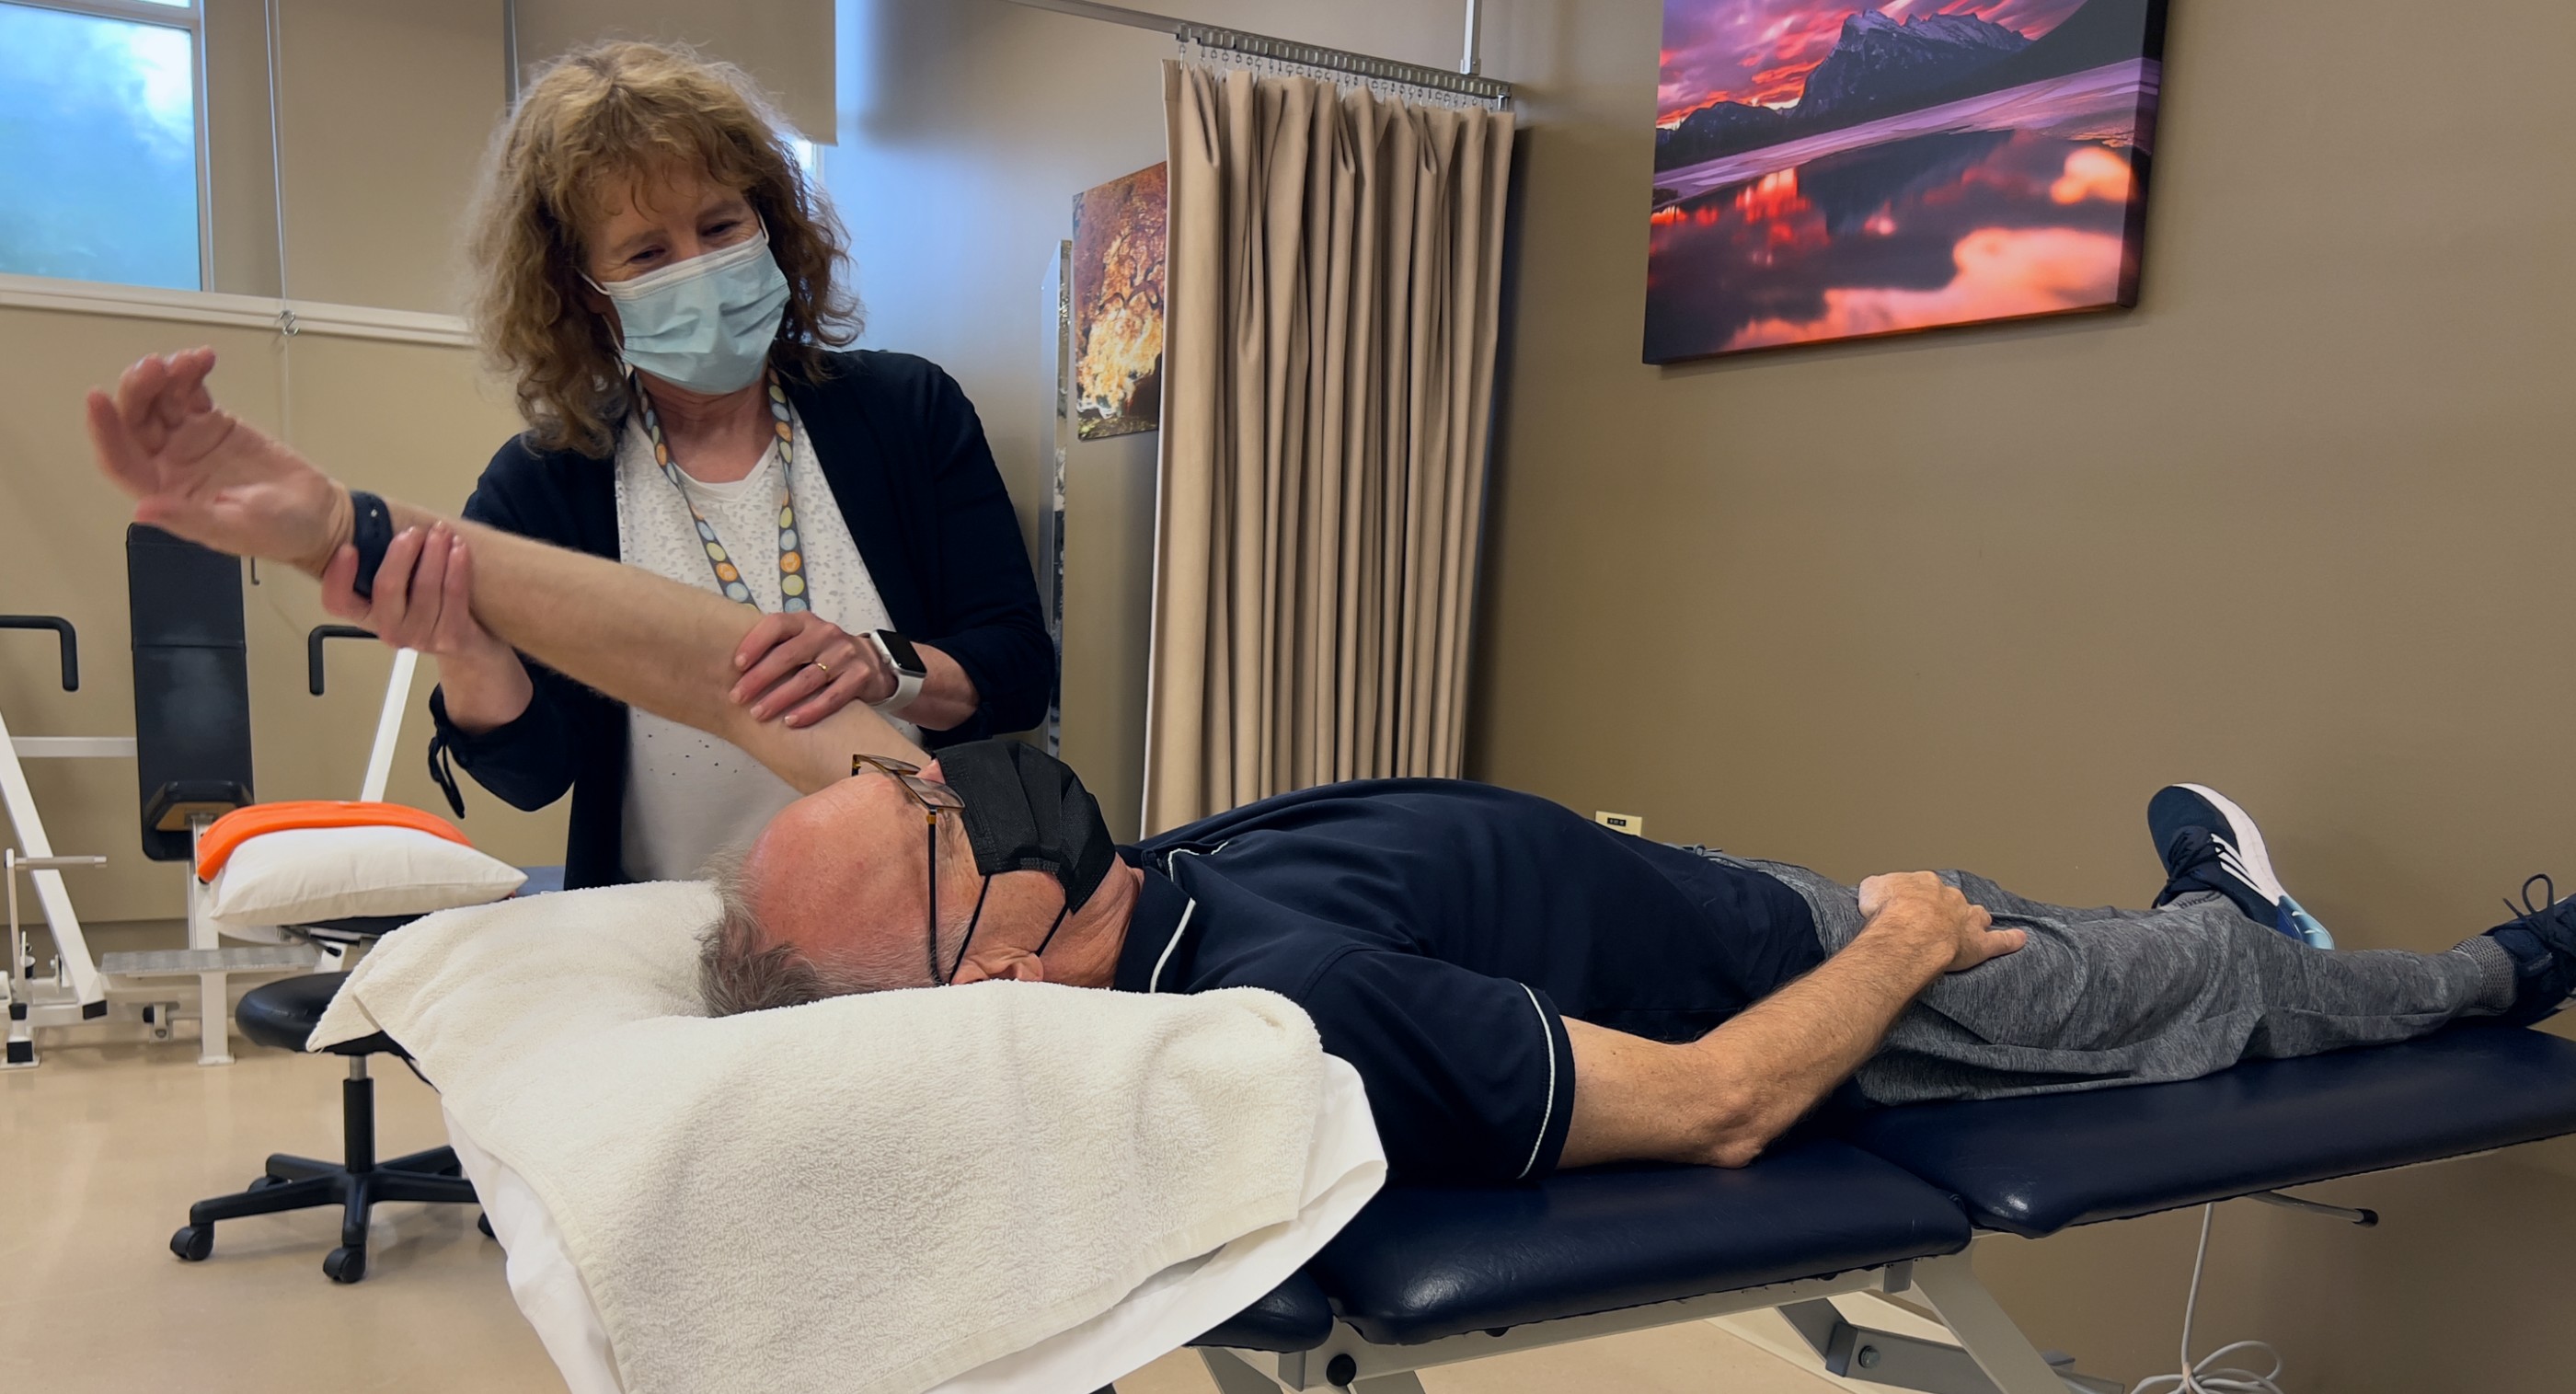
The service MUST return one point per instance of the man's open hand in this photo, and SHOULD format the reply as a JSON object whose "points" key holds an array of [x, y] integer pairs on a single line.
{"points": [[1918, 902], [196, 471]]}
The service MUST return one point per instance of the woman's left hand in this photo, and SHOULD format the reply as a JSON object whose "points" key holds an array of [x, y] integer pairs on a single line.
{"points": [[805, 667]]}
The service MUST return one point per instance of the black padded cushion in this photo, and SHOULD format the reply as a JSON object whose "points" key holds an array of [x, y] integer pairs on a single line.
{"points": [[1422, 1262], [284, 1013], [191, 680], [2033, 1166], [1293, 1316]]}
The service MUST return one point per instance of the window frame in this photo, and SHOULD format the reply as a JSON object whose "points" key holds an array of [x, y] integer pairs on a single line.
{"points": [[190, 18]]}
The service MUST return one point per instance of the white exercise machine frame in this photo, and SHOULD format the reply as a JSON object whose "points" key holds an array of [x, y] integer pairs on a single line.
{"points": [[82, 983]]}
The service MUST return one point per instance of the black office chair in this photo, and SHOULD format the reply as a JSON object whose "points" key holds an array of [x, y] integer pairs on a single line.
{"points": [[192, 749], [283, 1014]]}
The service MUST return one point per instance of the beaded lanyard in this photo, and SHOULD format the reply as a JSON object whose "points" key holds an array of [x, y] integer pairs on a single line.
{"points": [[791, 556]]}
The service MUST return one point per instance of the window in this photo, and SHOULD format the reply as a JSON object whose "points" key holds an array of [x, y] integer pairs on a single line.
{"points": [[102, 141]]}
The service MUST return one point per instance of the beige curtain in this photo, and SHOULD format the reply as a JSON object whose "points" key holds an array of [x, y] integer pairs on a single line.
{"points": [[1334, 275]]}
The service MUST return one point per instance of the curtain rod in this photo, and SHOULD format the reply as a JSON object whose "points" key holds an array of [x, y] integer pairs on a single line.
{"points": [[510, 50], [1466, 82]]}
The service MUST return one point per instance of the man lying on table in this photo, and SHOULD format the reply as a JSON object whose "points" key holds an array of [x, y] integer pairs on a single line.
{"points": [[1520, 989]]}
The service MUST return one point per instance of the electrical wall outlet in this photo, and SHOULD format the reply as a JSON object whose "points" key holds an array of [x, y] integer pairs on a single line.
{"points": [[1629, 823]]}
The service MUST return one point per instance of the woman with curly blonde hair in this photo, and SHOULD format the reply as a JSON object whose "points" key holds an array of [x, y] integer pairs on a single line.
{"points": [[665, 290]]}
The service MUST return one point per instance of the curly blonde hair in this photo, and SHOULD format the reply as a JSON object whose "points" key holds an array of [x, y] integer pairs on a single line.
{"points": [[594, 123]]}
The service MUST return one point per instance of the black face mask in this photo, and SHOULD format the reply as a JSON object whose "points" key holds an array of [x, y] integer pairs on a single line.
{"points": [[1027, 811]]}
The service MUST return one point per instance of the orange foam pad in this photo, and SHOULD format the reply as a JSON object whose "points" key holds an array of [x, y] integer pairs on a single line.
{"points": [[243, 824]]}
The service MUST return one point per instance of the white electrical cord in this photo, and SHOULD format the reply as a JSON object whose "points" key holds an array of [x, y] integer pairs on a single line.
{"points": [[2206, 1375]]}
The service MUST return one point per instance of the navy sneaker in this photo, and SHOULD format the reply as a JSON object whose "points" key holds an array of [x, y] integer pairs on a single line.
{"points": [[2542, 943], [2207, 843]]}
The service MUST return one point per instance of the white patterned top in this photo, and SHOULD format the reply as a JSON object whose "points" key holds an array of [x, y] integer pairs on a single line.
{"points": [[689, 794]]}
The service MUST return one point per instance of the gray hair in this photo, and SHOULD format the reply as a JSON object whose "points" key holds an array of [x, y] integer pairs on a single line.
{"points": [[741, 968]]}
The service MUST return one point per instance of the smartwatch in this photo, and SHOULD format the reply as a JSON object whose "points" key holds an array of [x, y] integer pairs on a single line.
{"points": [[371, 531], [909, 671]]}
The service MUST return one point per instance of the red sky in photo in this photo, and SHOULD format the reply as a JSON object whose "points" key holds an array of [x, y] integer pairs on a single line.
{"points": [[1760, 51]]}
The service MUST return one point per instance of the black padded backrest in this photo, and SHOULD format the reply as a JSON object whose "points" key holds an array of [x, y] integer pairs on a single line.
{"points": [[191, 685]]}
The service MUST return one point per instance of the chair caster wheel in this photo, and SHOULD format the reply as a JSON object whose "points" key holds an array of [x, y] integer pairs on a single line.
{"points": [[345, 1265], [263, 1181], [484, 1223], [193, 1243]]}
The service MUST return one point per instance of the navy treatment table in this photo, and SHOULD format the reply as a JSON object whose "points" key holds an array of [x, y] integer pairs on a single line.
{"points": [[1885, 1200]]}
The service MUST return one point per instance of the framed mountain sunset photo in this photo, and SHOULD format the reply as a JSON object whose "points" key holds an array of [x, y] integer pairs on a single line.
{"points": [[1837, 169]]}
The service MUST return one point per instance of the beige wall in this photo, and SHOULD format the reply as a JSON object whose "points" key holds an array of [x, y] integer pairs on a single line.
{"points": [[238, 159], [383, 111], [786, 45], [2295, 526], [403, 419], [967, 128]]}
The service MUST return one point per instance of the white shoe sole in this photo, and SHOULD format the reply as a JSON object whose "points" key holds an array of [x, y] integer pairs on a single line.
{"points": [[2246, 855]]}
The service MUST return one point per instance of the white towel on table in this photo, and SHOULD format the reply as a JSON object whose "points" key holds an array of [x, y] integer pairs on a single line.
{"points": [[868, 1194]]}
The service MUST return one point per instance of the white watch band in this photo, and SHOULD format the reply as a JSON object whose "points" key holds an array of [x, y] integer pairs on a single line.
{"points": [[907, 686]]}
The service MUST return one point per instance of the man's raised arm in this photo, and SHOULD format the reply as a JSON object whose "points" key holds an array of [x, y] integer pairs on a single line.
{"points": [[198, 472]]}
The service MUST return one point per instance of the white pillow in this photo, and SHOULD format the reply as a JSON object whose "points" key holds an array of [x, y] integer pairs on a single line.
{"points": [[299, 875]]}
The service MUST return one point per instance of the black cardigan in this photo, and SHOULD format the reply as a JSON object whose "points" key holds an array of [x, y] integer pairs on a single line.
{"points": [[909, 467]]}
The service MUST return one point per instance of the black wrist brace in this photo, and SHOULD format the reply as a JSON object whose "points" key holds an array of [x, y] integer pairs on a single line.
{"points": [[372, 533]]}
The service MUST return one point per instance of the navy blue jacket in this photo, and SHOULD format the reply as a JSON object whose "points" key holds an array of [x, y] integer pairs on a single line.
{"points": [[908, 464]]}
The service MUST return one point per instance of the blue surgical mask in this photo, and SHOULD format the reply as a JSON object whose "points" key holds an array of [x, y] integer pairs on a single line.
{"points": [[705, 324]]}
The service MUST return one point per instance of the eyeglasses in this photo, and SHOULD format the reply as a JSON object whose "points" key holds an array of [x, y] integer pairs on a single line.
{"points": [[932, 799], [930, 796]]}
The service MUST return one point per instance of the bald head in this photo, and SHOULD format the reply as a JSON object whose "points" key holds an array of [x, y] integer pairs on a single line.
{"points": [[843, 877], [834, 897]]}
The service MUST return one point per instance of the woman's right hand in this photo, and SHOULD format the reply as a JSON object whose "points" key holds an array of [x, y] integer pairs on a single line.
{"points": [[423, 602]]}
